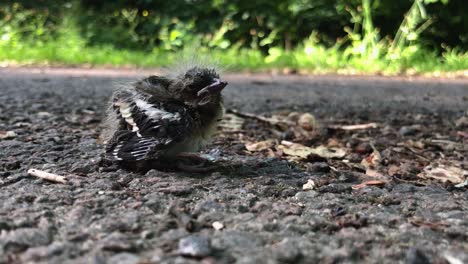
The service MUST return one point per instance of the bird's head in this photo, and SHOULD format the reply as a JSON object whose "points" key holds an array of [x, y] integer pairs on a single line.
{"points": [[200, 86]]}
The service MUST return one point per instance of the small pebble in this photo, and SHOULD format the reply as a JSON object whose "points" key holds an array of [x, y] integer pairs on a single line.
{"points": [[334, 188], [363, 148], [194, 246], [309, 185], [217, 225], [124, 258], [318, 167], [7, 134], [407, 131], [416, 256]]}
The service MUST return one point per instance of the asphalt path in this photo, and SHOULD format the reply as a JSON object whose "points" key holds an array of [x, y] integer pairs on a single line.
{"points": [[256, 213]]}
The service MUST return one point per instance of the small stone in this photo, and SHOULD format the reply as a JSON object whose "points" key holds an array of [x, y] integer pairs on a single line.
{"points": [[354, 157], [218, 225], [242, 208], [12, 165], [42, 199], [117, 242], [177, 190], [334, 188], [350, 176], [363, 148], [38, 253], [25, 237], [306, 196], [286, 251], [318, 167], [416, 256], [462, 122], [124, 258], [84, 167], [194, 246], [309, 185], [44, 114], [209, 206], [7, 134], [407, 131]]}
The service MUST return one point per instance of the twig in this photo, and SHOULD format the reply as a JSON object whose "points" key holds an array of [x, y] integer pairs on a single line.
{"points": [[368, 183], [413, 182], [356, 127], [247, 115], [259, 118], [432, 225], [416, 153], [47, 176], [443, 141]]}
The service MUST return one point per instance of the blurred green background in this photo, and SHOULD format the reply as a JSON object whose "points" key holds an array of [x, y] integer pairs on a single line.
{"points": [[369, 36]]}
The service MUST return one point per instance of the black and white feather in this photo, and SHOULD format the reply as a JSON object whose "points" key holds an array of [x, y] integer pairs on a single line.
{"points": [[160, 117]]}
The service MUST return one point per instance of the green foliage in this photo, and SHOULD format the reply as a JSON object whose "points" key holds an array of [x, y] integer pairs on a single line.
{"points": [[320, 35]]}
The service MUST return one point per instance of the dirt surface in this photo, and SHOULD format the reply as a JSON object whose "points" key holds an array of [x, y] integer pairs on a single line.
{"points": [[377, 203]]}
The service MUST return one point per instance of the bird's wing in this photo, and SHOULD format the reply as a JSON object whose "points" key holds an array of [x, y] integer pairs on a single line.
{"points": [[151, 128]]}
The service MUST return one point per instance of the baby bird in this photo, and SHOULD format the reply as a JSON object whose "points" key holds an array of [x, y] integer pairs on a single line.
{"points": [[159, 119]]}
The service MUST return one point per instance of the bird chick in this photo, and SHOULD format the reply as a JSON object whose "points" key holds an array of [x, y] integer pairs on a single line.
{"points": [[159, 118]]}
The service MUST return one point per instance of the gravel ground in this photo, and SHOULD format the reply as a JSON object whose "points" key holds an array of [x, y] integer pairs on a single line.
{"points": [[254, 212]]}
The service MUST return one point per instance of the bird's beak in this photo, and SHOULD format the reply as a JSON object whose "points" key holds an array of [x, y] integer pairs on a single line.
{"points": [[216, 87]]}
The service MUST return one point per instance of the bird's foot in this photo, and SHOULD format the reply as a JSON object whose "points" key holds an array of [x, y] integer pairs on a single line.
{"points": [[193, 162], [193, 158], [195, 169]]}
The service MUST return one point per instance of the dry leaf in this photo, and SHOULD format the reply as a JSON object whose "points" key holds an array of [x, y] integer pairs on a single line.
{"points": [[444, 173], [446, 144], [462, 121], [415, 144], [333, 142], [307, 121], [356, 127], [259, 146], [329, 153], [368, 183], [299, 150], [294, 149], [301, 125], [462, 134], [373, 173], [393, 169], [272, 154], [372, 160]]}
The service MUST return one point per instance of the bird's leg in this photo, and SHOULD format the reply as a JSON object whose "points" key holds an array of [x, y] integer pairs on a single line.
{"points": [[193, 157], [194, 168], [196, 162]]}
